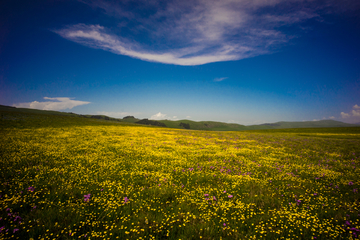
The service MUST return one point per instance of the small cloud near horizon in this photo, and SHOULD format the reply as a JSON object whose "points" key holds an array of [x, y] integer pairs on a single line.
{"points": [[158, 116], [233, 121], [118, 114], [57, 103], [353, 116]]}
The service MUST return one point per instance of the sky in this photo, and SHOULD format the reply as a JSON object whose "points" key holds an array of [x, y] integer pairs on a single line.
{"points": [[235, 61]]}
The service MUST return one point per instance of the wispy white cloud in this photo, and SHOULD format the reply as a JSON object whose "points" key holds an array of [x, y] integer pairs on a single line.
{"points": [[220, 79], [356, 106], [57, 103], [332, 117], [95, 36], [158, 116], [193, 32]]}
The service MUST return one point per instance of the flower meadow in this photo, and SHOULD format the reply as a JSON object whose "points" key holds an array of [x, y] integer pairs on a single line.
{"points": [[74, 178]]}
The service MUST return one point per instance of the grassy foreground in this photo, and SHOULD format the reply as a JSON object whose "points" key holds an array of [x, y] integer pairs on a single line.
{"points": [[72, 178]]}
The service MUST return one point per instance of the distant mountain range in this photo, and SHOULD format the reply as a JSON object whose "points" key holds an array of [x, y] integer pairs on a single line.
{"points": [[188, 124]]}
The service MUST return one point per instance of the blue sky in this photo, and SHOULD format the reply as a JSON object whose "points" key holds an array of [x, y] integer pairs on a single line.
{"points": [[243, 61]]}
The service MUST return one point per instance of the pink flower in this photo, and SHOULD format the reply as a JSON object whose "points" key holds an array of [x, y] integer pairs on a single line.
{"points": [[230, 196], [206, 195], [126, 199], [87, 197]]}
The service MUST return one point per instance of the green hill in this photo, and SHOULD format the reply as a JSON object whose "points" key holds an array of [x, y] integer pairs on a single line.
{"points": [[305, 124], [203, 125], [183, 124]]}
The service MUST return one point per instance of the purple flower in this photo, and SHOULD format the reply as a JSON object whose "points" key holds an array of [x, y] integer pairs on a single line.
{"points": [[351, 183], [126, 199], [214, 198], [102, 190], [224, 191], [206, 195], [315, 194], [224, 224], [87, 197], [15, 230], [2, 228], [230, 196], [31, 189]]}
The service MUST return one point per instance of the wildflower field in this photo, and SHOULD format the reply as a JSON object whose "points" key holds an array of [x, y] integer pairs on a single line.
{"points": [[72, 178]]}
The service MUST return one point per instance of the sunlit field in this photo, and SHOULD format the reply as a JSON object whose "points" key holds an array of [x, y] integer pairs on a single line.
{"points": [[74, 178]]}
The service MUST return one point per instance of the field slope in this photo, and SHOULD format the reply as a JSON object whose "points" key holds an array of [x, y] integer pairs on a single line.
{"points": [[70, 177]]}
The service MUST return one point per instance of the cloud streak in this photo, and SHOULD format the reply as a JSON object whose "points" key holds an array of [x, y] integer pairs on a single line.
{"points": [[220, 79], [57, 103], [193, 32]]}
